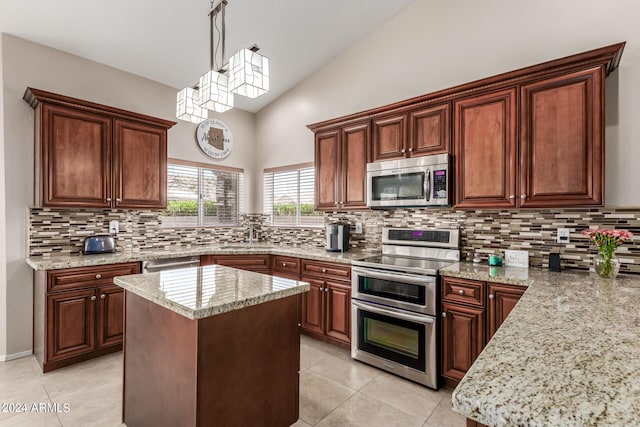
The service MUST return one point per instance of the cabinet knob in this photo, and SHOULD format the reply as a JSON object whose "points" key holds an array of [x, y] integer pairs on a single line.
{"points": [[326, 289], [98, 276], [410, 149], [336, 203], [512, 196], [461, 291], [108, 199], [402, 151], [324, 270], [118, 199], [284, 264], [103, 296], [524, 196], [491, 296], [444, 314], [299, 325], [93, 298]]}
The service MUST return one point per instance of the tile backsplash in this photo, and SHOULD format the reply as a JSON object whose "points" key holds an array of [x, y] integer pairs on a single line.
{"points": [[482, 231]]}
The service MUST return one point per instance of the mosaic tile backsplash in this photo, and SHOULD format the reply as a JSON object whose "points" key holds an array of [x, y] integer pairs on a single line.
{"points": [[482, 231]]}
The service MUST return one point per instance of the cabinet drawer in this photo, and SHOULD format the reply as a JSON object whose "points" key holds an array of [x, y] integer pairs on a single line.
{"points": [[326, 270], [83, 277], [255, 263], [464, 291], [285, 266]]}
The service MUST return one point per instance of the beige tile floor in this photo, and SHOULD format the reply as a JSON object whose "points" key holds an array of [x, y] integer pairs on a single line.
{"points": [[334, 391]]}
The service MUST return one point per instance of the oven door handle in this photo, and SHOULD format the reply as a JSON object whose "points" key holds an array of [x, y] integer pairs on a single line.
{"points": [[396, 277], [393, 313]]}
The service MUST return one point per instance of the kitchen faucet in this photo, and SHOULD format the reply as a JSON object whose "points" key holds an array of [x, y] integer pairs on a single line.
{"points": [[250, 235]]}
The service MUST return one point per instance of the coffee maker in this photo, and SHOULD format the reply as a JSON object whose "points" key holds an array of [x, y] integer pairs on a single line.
{"points": [[338, 236]]}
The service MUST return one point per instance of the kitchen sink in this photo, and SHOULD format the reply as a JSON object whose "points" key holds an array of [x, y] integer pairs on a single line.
{"points": [[246, 247]]}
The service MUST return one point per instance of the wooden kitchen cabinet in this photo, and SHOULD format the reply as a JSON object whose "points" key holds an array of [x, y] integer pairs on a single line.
{"points": [[562, 140], [326, 308], [485, 150], [418, 132], [285, 266], [92, 155], [78, 313], [341, 156], [472, 311], [502, 299], [255, 263]]}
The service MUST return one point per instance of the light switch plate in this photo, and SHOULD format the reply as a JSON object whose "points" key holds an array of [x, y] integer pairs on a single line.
{"points": [[516, 258], [563, 235], [358, 228], [114, 227]]}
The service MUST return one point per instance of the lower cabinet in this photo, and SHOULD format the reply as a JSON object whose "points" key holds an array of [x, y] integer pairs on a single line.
{"points": [[326, 308], [82, 314], [470, 319], [255, 263]]}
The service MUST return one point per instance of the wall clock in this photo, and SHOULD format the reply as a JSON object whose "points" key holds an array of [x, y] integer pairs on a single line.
{"points": [[214, 138]]}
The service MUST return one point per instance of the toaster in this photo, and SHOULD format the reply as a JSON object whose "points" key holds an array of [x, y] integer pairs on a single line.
{"points": [[99, 245]]}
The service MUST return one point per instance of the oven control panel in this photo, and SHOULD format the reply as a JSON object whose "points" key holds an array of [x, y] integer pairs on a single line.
{"points": [[419, 235]]}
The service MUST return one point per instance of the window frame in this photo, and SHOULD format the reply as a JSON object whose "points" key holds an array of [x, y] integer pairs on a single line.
{"points": [[288, 168], [201, 209]]}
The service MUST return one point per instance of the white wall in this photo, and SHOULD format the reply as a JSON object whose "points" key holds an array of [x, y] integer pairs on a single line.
{"points": [[29, 64], [3, 269], [436, 45]]}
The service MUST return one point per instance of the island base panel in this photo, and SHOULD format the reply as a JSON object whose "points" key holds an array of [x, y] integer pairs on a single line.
{"points": [[234, 369]]}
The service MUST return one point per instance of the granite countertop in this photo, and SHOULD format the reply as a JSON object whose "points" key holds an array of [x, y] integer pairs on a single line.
{"points": [[55, 262], [567, 355], [508, 275], [200, 292]]}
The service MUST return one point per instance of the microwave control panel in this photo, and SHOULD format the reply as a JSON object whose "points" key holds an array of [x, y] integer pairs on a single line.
{"points": [[440, 184]]}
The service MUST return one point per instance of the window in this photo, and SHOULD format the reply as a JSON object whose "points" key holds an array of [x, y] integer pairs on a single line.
{"points": [[289, 195], [202, 195]]}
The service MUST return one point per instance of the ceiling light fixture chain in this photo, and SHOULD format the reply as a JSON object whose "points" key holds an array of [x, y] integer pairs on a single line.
{"points": [[246, 74]]}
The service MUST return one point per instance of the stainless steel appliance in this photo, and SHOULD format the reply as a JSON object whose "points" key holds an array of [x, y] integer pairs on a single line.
{"points": [[417, 181], [338, 236], [394, 302], [99, 245], [156, 265]]}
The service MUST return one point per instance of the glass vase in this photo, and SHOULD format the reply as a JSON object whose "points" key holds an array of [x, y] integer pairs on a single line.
{"points": [[606, 266]]}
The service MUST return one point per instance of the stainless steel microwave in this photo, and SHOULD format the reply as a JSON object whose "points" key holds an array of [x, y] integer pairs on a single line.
{"points": [[417, 181]]}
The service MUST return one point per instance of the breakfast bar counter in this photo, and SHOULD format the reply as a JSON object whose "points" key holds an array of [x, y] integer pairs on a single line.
{"points": [[211, 346], [567, 355]]}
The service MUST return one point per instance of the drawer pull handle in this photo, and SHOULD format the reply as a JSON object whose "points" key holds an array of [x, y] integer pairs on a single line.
{"points": [[93, 298], [98, 276], [324, 270], [103, 296], [461, 291]]}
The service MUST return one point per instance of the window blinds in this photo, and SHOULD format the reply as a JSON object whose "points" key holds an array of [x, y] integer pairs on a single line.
{"points": [[289, 197]]}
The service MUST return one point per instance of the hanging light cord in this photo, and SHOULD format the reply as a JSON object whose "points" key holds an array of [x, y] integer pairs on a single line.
{"points": [[213, 29]]}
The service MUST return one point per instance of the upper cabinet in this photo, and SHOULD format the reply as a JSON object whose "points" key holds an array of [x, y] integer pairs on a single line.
{"points": [[528, 138], [341, 156], [485, 150], [91, 155], [417, 132]]}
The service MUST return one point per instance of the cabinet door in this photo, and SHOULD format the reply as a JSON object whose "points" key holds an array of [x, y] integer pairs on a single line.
{"points": [[70, 324], [76, 158], [462, 339], [255, 263], [429, 130], [140, 165], [327, 164], [110, 316], [561, 146], [485, 150], [389, 137], [502, 299], [355, 143], [338, 311], [313, 307], [285, 266]]}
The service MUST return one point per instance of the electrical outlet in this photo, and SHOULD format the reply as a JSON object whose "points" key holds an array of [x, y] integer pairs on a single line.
{"points": [[358, 228], [563, 235], [114, 227]]}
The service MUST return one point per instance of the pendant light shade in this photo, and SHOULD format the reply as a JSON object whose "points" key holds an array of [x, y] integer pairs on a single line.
{"points": [[214, 92], [249, 73], [188, 106]]}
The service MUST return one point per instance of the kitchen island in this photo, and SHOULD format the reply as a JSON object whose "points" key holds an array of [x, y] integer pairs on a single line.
{"points": [[567, 355], [211, 346]]}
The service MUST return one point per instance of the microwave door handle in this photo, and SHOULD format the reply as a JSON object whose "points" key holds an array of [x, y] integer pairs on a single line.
{"points": [[393, 313], [427, 186]]}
